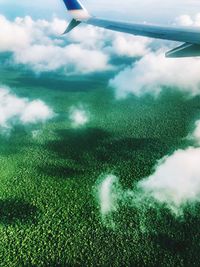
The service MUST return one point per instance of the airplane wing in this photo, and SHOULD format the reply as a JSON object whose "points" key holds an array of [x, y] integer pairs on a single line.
{"points": [[190, 36]]}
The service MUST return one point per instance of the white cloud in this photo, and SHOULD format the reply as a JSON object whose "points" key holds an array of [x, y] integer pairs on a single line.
{"points": [[107, 194], [72, 58], [12, 36], [24, 32], [184, 20], [39, 45], [187, 20], [14, 109], [111, 42], [175, 183], [35, 111], [79, 116], [154, 73], [130, 46], [176, 179]]}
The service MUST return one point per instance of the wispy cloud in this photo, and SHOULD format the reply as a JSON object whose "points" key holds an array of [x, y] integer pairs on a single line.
{"points": [[195, 135], [79, 116]]}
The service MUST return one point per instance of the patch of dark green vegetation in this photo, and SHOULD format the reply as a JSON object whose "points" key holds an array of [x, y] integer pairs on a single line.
{"points": [[16, 210]]}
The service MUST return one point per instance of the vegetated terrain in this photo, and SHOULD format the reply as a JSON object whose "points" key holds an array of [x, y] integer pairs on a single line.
{"points": [[48, 212]]}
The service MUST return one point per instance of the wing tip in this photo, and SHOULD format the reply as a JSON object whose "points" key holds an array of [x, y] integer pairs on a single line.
{"points": [[77, 10]]}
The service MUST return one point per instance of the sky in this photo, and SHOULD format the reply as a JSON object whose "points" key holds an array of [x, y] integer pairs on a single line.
{"points": [[148, 10]]}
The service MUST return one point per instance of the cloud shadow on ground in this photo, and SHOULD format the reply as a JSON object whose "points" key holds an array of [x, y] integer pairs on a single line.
{"points": [[93, 149], [14, 210]]}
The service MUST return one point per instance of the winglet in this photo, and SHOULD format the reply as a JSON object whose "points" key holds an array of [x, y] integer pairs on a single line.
{"points": [[71, 26], [77, 10], [185, 50]]}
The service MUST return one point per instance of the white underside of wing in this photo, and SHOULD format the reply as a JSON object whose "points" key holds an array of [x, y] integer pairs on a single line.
{"points": [[180, 34]]}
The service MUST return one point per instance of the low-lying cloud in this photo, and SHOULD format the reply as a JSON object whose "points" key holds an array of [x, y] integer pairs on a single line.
{"points": [[187, 20], [72, 59], [79, 116], [14, 109], [107, 194], [176, 179], [39, 45], [174, 183], [154, 73]]}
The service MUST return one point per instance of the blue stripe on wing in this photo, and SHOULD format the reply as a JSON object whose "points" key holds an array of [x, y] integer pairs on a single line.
{"points": [[72, 5]]}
